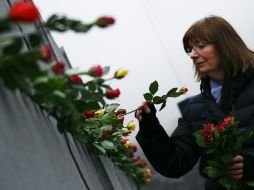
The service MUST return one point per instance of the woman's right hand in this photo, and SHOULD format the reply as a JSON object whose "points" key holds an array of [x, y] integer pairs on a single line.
{"points": [[143, 108]]}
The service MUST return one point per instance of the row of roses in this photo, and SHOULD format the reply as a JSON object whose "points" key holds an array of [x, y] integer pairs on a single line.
{"points": [[78, 106]]}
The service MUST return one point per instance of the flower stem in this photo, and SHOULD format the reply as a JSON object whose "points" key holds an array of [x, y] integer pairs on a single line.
{"points": [[133, 110]]}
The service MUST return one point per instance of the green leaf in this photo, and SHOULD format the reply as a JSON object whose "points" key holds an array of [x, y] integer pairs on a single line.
{"points": [[41, 80], [108, 145], [111, 107], [226, 182], [162, 106], [14, 47], [106, 128], [173, 93], [227, 157], [35, 39], [158, 100], [5, 23], [148, 96], [212, 172], [250, 183], [200, 140], [100, 148], [153, 88], [59, 94]]}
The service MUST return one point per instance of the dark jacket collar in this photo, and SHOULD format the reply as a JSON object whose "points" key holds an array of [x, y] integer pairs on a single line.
{"points": [[232, 86]]}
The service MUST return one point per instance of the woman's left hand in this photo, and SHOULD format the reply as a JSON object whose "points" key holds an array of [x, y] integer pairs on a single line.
{"points": [[236, 169]]}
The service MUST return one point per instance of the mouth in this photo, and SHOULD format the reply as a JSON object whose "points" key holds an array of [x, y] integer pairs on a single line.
{"points": [[199, 64]]}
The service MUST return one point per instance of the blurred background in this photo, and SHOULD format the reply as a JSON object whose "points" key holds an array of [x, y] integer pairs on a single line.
{"points": [[147, 40]]}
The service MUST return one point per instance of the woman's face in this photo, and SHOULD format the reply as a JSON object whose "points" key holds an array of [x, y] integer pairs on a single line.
{"points": [[205, 59]]}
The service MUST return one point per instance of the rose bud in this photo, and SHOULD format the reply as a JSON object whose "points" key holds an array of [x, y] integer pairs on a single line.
{"points": [[120, 118], [131, 126], [134, 148], [131, 154], [121, 111], [96, 71], [145, 162], [126, 144], [220, 127], [75, 79], [58, 68], [110, 94], [135, 159], [123, 141], [24, 12], [104, 21], [117, 92], [148, 180], [46, 53], [183, 90], [89, 114], [126, 131], [121, 73], [99, 113]]}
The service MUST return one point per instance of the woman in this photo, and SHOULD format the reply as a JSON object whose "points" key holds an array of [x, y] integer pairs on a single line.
{"points": [[224, 66]]}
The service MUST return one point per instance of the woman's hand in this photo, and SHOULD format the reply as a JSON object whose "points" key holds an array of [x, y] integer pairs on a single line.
{"points": [[236, 169], [143, 108]]}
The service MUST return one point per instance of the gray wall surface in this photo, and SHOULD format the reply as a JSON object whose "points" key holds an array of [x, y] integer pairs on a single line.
{"points": [[35, 156]]}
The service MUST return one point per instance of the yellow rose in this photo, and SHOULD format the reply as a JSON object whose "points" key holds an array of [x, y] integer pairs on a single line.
{"points": [[121, 73], [131, 126], [127, 144], [147, 172], [126, 131], [99, 114]]}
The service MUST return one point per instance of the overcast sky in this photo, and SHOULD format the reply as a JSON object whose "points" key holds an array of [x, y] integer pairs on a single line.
{"points": [[146, 39]]}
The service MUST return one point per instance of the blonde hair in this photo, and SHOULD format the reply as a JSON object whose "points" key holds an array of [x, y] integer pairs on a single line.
{"points": [[233, 55]]}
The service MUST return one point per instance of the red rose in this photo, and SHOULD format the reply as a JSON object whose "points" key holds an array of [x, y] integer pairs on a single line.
{"points": [[104, 21], [58, 68], [89, 114], [220, 127], [135, 159], [123, 141], [24, 12], [117, 92], [110, 94], [96, 71], [206, 132], [46, 53], [76, 79], [121, 111], [134, 148], [120, 119], [131, 154], [227, 121], [145, 162]]}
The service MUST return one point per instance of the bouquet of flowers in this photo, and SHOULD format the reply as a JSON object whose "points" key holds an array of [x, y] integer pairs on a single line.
{"points": [[222, 142]]}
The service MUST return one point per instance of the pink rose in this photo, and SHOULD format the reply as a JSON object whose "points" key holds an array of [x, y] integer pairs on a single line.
{"points": [[96, 71]]}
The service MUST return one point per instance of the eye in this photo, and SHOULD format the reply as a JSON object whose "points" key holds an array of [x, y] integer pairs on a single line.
{"points": [[201, 45], [188, 50]]}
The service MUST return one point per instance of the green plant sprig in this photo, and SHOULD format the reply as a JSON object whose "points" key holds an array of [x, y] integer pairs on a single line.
{"points": [[154, 87]]}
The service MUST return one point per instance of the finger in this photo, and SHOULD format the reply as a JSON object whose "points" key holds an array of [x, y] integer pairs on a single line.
{"points": [[147, 109], [138, 115], [235, 166], [237, 158], [237, 177], [235, 172]]}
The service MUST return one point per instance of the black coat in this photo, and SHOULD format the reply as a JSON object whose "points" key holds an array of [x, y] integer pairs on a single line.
{"points": [[176, 155]]}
